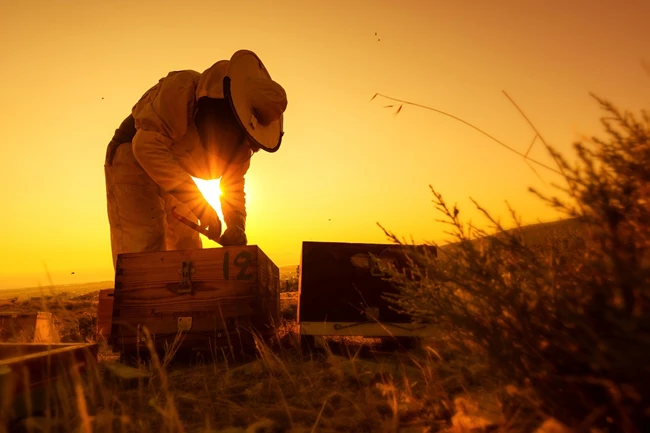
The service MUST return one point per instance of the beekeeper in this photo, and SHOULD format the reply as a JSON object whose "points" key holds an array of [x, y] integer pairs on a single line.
{"points": [[206, 125]]}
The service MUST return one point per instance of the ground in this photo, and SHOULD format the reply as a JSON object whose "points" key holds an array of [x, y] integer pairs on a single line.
{"points": [[349, 385]]}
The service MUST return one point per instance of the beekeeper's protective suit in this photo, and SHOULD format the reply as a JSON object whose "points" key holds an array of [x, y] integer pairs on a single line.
{"points": [[206, 125]]}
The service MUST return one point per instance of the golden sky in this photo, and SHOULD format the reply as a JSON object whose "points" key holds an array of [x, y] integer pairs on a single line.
{"points": [[72, 70]]}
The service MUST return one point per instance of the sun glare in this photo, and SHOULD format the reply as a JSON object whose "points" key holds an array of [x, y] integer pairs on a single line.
{"points": [[211, 192]]}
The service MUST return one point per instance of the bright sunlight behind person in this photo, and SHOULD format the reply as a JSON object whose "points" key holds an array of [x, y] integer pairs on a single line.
{"points": [[211, 192]]}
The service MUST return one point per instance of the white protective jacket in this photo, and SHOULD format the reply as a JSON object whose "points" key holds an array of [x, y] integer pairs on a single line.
{"points": [[150, 160], [167, 144]]}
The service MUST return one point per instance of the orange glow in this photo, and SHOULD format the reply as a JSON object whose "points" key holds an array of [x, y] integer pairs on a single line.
{"points": [[69, 76], [211, 192]]}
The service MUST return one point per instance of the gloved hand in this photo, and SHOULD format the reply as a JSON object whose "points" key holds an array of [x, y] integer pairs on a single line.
{"points": [[235, 234], [210, 220]]}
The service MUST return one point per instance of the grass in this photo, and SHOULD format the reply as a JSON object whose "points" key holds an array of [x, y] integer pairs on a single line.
{"points": [[349, 384], [284, 389], [352, 384]]}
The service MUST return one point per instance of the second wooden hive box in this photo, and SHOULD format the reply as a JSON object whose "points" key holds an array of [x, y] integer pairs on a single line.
{"points": [[343, 290]]}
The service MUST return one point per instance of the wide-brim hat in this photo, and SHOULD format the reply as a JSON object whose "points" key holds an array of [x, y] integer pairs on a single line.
{"points": [[257, 101]]}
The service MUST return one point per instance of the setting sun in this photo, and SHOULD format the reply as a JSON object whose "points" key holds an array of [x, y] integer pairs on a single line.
{"points": [[212, 192]]}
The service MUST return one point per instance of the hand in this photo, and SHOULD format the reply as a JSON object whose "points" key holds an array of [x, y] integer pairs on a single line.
{"points": [[210, 221], [233, 236]]}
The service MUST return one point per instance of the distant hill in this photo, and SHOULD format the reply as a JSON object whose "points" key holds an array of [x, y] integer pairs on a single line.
{"points": [[72, 290], [535, 234]]}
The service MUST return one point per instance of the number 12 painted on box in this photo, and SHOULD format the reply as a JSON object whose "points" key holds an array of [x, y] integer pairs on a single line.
{"points": [[242, 261]]}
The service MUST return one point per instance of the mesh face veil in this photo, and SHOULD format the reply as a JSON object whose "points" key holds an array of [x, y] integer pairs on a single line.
{"points": [[221, 133]]}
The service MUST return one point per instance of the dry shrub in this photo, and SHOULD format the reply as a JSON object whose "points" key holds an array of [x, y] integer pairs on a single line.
{"points": [[563, 314]]}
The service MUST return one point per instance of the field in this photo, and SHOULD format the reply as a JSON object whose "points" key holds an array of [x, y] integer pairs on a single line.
{"points": [[345, 384], [353, 385]]}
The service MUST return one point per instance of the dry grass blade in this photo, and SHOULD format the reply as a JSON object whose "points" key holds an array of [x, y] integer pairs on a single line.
{"points": [[531, 146], [536, 173], [511, 149]]}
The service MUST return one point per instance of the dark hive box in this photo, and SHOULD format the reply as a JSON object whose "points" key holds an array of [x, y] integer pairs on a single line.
{"points": [[341, 290]]}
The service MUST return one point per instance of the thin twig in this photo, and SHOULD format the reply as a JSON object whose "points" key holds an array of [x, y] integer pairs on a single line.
{"points": [[471, 126], [531, 145], [534, 129], [536, 173]]}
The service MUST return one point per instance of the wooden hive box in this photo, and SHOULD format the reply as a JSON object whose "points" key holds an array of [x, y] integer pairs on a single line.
{"points": [[27, 327], [105, 313], [208, 297], [341, 290]]}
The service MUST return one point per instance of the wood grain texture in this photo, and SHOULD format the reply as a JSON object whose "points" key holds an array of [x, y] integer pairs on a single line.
{"points": [[229, 290]]}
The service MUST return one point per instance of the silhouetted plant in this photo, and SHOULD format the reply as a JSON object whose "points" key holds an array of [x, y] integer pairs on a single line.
{"points": [[565, 315]]}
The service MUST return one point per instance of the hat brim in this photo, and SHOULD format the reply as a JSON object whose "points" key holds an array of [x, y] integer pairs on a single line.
{"points": [[243, 66]]}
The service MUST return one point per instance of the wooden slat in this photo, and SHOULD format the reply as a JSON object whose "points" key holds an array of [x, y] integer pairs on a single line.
{"points": [[134, 291], [202, 320]]}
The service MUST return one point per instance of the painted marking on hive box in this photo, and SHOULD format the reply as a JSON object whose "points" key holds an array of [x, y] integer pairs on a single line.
{"points": [[242, 261]]}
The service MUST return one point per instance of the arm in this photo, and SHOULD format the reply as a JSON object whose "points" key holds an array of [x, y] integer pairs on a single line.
{"points": [[162, 117], [233, 197]]}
